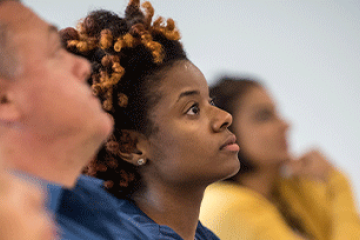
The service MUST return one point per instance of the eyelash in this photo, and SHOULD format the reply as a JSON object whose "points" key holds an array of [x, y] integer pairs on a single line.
{"points": [[196, 105]]}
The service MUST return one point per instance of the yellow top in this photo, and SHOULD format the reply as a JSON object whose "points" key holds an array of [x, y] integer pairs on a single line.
{"points": [[326, 210]]}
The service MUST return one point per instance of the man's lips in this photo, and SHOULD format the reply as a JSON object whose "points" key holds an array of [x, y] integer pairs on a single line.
{"points": [[230, 144]]}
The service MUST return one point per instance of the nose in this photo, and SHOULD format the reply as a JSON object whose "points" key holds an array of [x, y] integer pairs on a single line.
{"points": [[285, 125], [81, 68], [222, 120]]}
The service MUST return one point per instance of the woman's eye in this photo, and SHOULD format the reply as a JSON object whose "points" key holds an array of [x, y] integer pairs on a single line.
{"points": [[194, 109], [263, 116]]}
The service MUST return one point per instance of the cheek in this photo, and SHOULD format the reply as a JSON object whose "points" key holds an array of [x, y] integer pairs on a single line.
{"points": [[180, 146], [260, 145], [254, 142], [172, 144]]}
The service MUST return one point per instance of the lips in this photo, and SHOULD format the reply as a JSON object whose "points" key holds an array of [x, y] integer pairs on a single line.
{"points": [[230, 144]]}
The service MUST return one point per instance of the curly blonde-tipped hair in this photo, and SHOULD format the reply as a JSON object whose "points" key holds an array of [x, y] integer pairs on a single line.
{"points": [[128, 56]]}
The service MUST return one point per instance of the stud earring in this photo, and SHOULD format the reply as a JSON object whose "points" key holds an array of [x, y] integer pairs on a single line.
{"points": [[141, 162]]}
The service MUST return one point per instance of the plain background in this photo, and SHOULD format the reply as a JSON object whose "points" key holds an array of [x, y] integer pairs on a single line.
{"points": [[307, 53]]}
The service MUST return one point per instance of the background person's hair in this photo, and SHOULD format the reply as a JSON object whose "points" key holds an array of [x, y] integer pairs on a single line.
{"points": [[129, 58], [227, 93]]}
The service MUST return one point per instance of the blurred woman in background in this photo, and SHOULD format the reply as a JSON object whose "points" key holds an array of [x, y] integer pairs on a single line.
{"points": [[274, 196]]}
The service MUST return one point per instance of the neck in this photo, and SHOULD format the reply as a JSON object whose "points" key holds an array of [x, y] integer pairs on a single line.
{"points": [[175, 207], [262, 180], [59, 161]]}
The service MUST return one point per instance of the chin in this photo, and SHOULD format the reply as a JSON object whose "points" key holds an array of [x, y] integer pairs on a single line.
{"points": [[105, 128], [232, 169]]}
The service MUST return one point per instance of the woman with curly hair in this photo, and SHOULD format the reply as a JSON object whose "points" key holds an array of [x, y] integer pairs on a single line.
{"points": [[274, 196], [169, 141]]}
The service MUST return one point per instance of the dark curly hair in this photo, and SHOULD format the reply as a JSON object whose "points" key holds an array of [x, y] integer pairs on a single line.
{"points": [[227, 93], [129, 56]]}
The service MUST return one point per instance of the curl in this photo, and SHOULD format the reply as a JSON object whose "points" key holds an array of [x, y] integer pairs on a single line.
{"points": [[133, 15], [69, 33], [117, 68], [122, 100], [147, 40], [170, 25], [126, 178], [92, 43], [149, 13], [129, 40], [73, 39], [106, 60], [106, 39], [169, 31], [108, 102], [119, 44], [125, 41], [134, 3], [107, 81], [156, 51], [113, 147], [158, 23]]}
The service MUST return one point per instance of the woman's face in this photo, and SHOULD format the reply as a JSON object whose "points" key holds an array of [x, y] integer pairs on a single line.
{"points": [[260, 130], [192, 143]]}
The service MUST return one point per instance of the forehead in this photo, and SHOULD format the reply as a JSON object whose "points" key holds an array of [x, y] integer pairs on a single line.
{"points": [[22, 22], [256, 97], [27, 35], [14, 13], [183, 76]]}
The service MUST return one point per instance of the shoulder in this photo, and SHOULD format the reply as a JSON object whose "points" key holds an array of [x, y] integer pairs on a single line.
{"points": [[235, 212], [233, 197], [90, 211], [88, 184], [227, 204]]}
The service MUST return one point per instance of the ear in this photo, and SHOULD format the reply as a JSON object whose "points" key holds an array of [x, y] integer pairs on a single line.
{"points": [[8, 111], [133, 147]]}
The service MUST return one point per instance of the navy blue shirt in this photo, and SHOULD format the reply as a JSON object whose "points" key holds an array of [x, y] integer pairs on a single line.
{"points": [[89, 212]]}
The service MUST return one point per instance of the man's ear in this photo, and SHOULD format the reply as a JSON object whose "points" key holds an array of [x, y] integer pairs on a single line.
{"points": [[133, 147], [8, 111]]}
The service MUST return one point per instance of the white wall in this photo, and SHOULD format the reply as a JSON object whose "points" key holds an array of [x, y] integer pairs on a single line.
{"points": [[306, 52]]}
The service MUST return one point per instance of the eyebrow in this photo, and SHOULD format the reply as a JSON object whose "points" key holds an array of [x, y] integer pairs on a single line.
{"points": [[263, 106], [188, 93], [53, 28], [52, 31]]}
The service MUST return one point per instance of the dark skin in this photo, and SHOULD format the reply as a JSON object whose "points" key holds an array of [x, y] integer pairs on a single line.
{"points": [[185, 155]]}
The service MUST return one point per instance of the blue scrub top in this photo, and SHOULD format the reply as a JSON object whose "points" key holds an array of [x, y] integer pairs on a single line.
{"points": [[89, 212]]}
